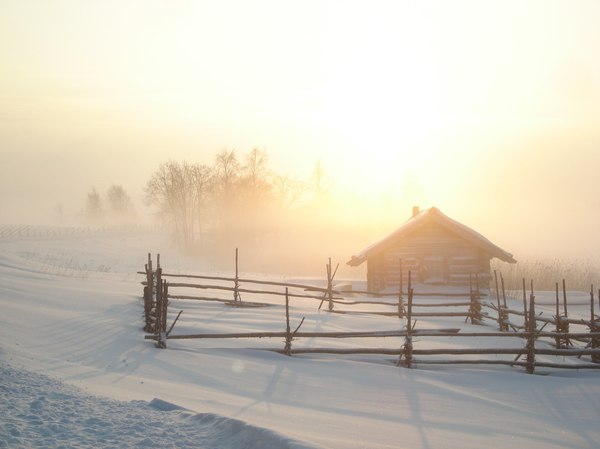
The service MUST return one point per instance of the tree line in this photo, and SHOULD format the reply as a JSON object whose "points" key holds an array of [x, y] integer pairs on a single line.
{"points": [[115, 206], [237, 198]]}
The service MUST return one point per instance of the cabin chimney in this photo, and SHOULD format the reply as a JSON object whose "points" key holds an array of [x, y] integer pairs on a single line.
{"points": [[415, 211]]}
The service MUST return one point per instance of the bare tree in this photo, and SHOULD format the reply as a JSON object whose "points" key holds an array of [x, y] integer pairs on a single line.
{"points": [[170, 189], [202, 182], [93, 209], [239, 202], [227, 169], [255, 172], [287, 191], [119, 203]]}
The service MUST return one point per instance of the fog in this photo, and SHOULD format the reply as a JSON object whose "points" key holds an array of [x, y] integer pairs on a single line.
{"points": [[488, 111]]}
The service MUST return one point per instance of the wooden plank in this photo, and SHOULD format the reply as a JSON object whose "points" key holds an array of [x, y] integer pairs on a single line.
{"points": [[358, 334], [470, 362], [564, 366], [469, 351], [345, 351], [243, 290]]}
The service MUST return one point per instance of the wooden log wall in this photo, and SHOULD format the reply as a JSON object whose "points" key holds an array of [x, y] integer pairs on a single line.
{"points": [[434, 255]]}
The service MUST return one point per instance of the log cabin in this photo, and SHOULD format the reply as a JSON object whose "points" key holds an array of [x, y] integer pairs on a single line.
{"points": [[435, 248]]}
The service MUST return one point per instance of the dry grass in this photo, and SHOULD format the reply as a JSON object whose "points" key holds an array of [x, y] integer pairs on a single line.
{"points": [[578, 275]]}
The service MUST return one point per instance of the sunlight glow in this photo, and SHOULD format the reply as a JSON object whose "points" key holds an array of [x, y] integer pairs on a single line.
{"points": [[453, 104]]}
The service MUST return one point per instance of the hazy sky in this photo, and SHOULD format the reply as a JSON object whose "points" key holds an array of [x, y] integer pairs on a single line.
{"points": [[489, 110]]}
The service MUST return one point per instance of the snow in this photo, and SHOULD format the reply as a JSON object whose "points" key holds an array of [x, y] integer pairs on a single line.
{"points": [[75, 370], [44, 412]]}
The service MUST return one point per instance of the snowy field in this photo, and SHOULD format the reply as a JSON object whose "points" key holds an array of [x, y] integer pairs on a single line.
{"points": [[76, 372]]}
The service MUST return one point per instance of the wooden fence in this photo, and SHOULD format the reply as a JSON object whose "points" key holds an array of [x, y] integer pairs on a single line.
{"points": [[157, 293]]}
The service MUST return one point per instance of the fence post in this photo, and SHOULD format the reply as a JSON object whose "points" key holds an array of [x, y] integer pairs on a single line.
{"points": [[531, 336], [565, 298], [503, 291], [401, 287], [594, 341], [158, 318], [165, 304], [564, 324], [502, 316], [557, 339], [400, 304], [475, 308], [525, 317], [236, 282], [330, 285], [162, 327], [147, 304], [408, 345], [161, 311], [287, 350], [149, 299], [407, 350]]}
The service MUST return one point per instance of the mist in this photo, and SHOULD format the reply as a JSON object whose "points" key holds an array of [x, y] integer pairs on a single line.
{"points": [[533, 195], [430, 104]]}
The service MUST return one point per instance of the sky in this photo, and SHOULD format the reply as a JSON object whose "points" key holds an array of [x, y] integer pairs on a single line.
{"points": [[488, 110]]}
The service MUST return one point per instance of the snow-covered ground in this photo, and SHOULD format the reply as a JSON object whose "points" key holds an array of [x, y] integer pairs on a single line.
{"points": [[75, 370], [39, 411]]}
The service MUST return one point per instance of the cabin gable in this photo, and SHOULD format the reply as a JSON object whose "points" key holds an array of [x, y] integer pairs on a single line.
{"points": [[435, 249]]}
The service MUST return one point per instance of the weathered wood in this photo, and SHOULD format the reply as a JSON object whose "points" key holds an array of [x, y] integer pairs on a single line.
{"points": [[503, 291], [558, 338], [244, 290], [565, 366], [415, 304], [408, 345], [330, 285], [430, 252], [475, 308], [165, 304], [236, 282], [471, 362], [345, 351], [250, 281], [594, 341], [149, 299], [468, 351], [400, 304], [199, 298], [497, 292], [568, 352], [525, 315], [401, 285], [442, 304], [395, 313], [337, 335], [407, 352], [531, 335], [173, 323], [571, 335], [592, 313], [288, 335]]}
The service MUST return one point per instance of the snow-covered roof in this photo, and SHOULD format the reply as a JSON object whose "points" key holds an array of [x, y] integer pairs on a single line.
{"points": [[432, 214]]}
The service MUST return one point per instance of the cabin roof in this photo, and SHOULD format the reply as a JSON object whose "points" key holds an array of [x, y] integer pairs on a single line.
{"points": [[426, 216]]}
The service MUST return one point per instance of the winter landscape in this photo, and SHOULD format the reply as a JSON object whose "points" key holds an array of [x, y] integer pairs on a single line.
{"points": [[337, 149]]}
